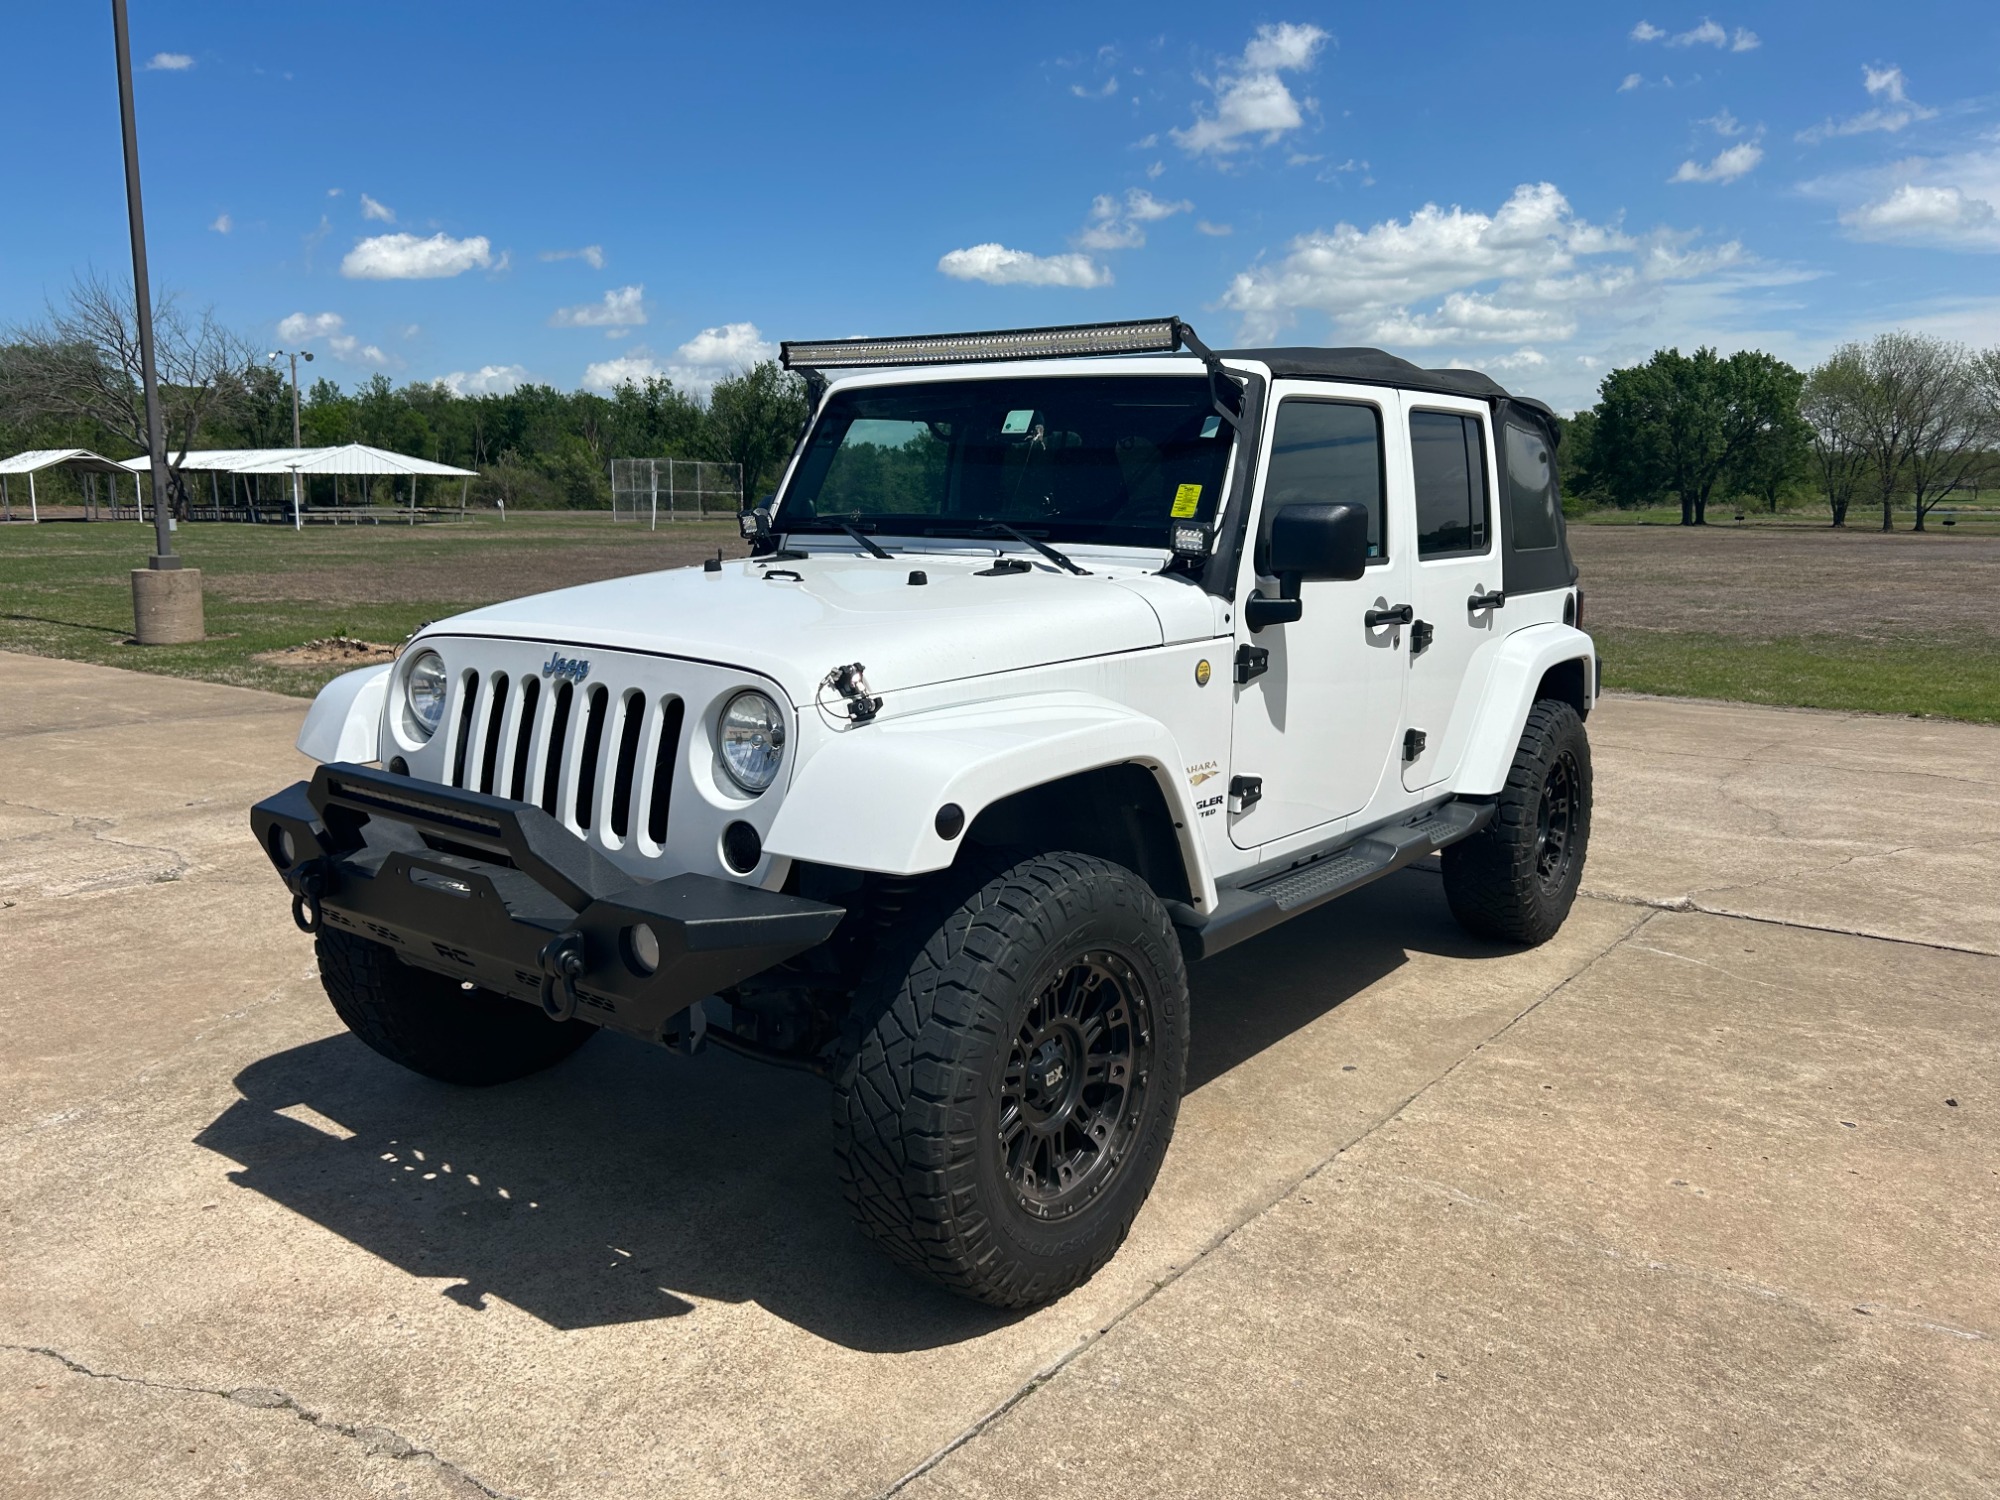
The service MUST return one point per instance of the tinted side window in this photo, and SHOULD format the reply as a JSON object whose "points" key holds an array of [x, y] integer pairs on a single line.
{"points": [[1325, 452], [1531, 490], [1448, 452]]}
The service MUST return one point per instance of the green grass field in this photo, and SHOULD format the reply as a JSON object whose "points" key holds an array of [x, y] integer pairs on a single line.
{"points": [[1789, 614], [65, 587]]}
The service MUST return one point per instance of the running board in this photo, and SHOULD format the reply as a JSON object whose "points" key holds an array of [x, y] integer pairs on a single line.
{"points": [[1245, 910]]}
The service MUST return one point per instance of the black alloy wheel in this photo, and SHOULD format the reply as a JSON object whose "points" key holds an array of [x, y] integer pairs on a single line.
{"points": [[1011, 1071], [1074, 1088], [1515, 880], [1555, 822]]}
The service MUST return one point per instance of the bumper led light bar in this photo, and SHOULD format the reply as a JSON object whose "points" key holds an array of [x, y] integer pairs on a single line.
{"points": [[1149, 336]]}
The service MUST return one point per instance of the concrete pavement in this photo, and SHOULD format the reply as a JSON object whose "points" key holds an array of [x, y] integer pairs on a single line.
{"points": [[1676, 1203]]}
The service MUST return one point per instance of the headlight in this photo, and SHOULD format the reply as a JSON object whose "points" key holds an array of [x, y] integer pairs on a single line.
{"points": [[423, 694], [750, 740]]}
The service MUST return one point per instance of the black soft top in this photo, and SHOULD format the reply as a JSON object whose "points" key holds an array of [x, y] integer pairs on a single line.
{"points": [[1379, 367]]}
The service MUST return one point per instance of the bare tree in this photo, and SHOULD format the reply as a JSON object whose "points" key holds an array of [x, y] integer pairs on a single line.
{"points": [[1831, 405], [1918, 417], [82, 363]]}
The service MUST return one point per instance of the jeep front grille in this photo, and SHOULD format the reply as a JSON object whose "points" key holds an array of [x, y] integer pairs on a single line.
{"points": [[598, 758]]}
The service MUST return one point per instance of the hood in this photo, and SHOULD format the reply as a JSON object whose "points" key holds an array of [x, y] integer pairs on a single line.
{"points": [[794, 622]]}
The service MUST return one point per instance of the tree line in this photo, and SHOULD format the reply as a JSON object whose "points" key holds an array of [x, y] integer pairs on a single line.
{"points": [[72, 380], [1902, 417]]}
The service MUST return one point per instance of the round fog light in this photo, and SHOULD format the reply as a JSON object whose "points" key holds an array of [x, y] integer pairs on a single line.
{"points": [[742, 847], [642, 948], [284, 847]]}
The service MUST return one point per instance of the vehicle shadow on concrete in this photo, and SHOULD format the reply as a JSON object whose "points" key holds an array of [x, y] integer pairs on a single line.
{"points": [[600, 1192]]}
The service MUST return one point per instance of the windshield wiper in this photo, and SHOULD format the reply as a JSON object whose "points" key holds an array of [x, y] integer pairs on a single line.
{"points": [[1003, 529], [868, 543]]}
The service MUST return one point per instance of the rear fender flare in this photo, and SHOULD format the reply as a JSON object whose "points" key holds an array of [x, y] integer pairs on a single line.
{"points": [[869, 800], [1523, 659]]}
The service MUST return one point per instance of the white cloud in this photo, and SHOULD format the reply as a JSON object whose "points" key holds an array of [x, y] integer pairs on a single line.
{"points": [[1893, 110], [635, 368], [1723, 123], [406, 257], [1251, 100], [1530, 275], [1728, 165], [349, 348], [298, 327], [590, 255], [1108, 88], [487, 380], [1120, 226], [623, 307], [996, 265], [726, 350], [1917, 214], [1707, 34], [709, 356], [1156, 171], [381, 212], [1632, 81], [1521, 359], [169, 62], [333, 192], [1218, 230], [222, 224]]}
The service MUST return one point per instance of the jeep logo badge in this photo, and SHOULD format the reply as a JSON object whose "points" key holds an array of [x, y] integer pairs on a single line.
{"points": [[570, 668]]}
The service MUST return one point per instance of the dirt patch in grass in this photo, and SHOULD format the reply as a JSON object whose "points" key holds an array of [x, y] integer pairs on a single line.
{"points": [[329, 651], [1751, 585]]}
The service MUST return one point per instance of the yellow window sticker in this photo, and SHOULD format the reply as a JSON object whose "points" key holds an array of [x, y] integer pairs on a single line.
{"points": [[1187, 500]]}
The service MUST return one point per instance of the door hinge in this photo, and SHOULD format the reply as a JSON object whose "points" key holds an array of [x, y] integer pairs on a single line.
{"points": [[1420, 637], [1245, 792], [1251, 661], [1413, 743]]}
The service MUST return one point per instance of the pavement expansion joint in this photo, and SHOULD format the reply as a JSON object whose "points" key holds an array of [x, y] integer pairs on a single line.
{"points": [[1690, 906], [382, 1442], [1228, 1232]]}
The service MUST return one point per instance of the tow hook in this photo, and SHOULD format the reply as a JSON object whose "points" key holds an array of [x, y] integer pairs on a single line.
{"points": [[308, 881], [561, 960]]}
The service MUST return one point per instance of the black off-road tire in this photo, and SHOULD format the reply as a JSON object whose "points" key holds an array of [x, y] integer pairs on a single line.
{"points": [[949, 1109], [434, 1026], [1515, 880]]}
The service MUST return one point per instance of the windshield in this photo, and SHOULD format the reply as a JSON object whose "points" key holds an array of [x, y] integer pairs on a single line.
{"points": [[1081, 458]]}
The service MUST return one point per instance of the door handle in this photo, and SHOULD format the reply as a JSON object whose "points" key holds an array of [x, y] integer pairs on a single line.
{"points": [[1400, 614], [1478, 602]]}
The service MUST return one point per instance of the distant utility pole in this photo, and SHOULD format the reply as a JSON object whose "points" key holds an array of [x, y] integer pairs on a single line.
{"points": [[166, 607], [296, 355]]}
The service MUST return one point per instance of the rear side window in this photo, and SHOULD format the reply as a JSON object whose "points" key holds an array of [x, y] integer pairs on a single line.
{"points": [[1448, 456], [1531, 490], [1324, 452]]}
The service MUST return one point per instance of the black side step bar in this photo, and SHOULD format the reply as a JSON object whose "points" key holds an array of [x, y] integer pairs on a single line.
{"points": [[1243, 911]]}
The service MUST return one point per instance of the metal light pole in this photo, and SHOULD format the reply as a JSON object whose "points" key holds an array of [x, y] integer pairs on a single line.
{"points": [[296, 355], [166, 598]]}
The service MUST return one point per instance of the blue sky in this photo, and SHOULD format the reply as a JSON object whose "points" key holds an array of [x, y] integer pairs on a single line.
{"points": [[492, 193]]}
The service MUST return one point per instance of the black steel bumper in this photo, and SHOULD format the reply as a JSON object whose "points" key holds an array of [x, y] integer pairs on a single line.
{"points": [[501, 894]]}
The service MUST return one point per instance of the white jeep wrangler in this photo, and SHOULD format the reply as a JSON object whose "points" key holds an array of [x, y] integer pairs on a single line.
{"points": [[1061, 658]]}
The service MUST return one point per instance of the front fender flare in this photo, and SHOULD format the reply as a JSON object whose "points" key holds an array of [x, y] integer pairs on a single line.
{"points": [[869, 799], [345, 720], [1523, 658]]}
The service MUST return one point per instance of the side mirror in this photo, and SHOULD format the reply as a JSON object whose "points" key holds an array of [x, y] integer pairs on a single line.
{"points": [[1308, 541]]}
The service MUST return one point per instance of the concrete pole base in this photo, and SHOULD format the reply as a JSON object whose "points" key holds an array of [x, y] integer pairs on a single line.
{"points": [[166, 606]]}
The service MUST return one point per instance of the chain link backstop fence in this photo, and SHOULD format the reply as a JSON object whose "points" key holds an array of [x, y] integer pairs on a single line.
{"points": [[652, 490]]}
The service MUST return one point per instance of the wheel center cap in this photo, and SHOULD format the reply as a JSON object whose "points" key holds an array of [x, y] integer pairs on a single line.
{"points": [[1049, 1069]]}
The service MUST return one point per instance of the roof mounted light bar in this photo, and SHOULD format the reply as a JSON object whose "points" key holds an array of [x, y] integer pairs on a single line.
{"points": [[1148, 336]]}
